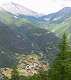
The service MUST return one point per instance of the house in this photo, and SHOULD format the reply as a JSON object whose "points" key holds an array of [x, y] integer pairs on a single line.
{"points": [[6, 72]]}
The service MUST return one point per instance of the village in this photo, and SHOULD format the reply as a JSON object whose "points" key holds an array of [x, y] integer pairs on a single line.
{"points": [[27, 66]]}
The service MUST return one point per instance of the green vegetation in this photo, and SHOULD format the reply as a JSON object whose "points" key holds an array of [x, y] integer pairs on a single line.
{"points": [[61, 27], [61, 68], [15, 74], [21, 33], [6, 17], [22, 21], [42, 75]]}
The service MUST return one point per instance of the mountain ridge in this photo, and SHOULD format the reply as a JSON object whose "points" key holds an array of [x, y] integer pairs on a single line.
{"points": [[18, 9]]}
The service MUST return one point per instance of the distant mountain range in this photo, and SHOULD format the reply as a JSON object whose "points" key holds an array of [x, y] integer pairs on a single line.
{"points": [[18, 9], [58, 22], [23, 31]]}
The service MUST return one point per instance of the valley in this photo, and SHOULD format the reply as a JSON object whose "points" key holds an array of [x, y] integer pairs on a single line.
{"points": [[30, 41]]}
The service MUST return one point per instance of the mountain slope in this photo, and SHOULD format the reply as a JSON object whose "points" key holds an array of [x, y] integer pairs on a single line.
{"points": [[25, 39], [59, 16], [64, 27], [25, 34], [19, 9], [58, 22]]}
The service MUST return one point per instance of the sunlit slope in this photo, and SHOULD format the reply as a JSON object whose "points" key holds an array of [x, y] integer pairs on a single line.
{"points": [[64, 27], [10, 19], [6, 17]]}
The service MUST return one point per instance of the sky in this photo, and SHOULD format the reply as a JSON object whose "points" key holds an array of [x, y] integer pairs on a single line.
{"points": [[41, 6]]}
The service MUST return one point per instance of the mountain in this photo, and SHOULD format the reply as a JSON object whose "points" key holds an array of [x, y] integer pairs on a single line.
{"points": [[63, 24], [25, 39], [15, 14], [20, 12], [23, 31], [18, 9], [58, 16], [58, 22]]}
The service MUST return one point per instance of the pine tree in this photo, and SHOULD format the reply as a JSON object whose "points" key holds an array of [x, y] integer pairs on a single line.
{"points": [[60, 70]]}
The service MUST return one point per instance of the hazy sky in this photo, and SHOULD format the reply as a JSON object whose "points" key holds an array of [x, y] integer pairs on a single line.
{"points": [[42, 6]]}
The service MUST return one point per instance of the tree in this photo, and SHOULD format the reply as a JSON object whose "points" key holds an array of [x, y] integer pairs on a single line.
{"points": [[43, 74], [23, 78], [15, 74], [59, 69], [5, 78]]}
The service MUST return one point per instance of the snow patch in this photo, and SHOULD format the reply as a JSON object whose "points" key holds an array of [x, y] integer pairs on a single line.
{"points": [[57, 18], [16, 17], [46, 19]]}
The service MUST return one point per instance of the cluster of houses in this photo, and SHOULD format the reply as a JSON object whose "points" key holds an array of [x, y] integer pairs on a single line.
{"points": [[31, 65], [5, 72], [26, 67]]}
